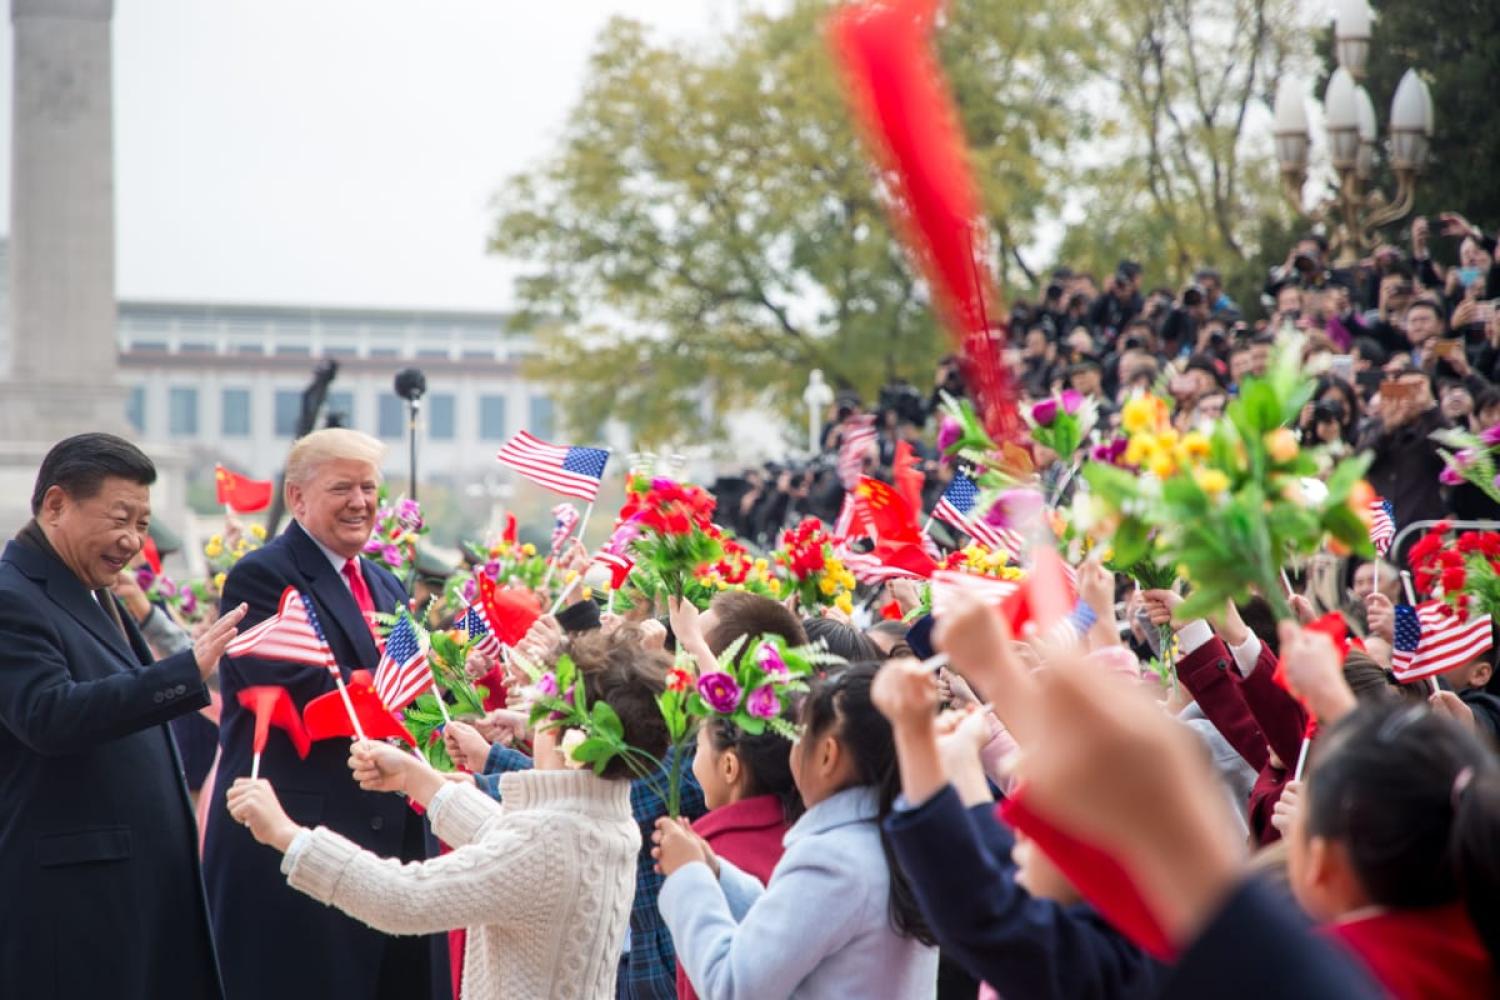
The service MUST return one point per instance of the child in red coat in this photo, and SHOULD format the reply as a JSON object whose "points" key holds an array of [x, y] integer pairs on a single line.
{"points": [[752, 800]]}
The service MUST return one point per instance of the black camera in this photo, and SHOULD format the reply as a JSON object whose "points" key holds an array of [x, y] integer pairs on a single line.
{"points": [[1328, 410]]}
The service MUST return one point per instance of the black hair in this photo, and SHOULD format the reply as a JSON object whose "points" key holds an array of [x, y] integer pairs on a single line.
{"points": [[767, 760], [1260, 619], [896, 631], [842, 640], [1415, 801], [843, 699], [1369, 349], [81, 463], [1437, 310]]}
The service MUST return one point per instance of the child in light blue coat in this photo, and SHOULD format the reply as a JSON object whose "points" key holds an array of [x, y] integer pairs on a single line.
{"points": [[838, 919]]}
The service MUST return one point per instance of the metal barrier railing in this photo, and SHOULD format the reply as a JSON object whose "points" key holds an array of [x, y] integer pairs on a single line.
{"points": [[1480, 525]]}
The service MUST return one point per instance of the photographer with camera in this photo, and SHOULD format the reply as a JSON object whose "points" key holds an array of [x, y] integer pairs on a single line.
{"points": [[1116, 307], [1179, 334], [1305, 265]]}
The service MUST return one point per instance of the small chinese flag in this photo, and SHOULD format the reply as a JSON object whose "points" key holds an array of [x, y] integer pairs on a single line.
{"points": [[273, 707], [511, 610], [241, 494], [327, 717]]}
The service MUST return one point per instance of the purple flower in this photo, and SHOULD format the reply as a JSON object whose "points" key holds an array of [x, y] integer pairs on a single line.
{"points": [[1465, 457], [662, 483], [546, 685], [491, 569], [768, 658], [1490, 435], [392, 555], [1014, 507], [144, 577], [470, 588], [374, 545], [165, 587], [1072, 399], [189, 602], [410, 515], [763, 703], [720, 691], [1045, 412], [949, 431], [1110, 452], [1450, 476]]}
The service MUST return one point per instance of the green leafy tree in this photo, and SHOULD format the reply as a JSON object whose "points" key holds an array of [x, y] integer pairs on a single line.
{"points": [[1455, 45], [1187, 175], [710, 228]]}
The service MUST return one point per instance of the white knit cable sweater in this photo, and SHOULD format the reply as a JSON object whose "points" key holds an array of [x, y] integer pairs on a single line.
{"points": [[543, 882]]}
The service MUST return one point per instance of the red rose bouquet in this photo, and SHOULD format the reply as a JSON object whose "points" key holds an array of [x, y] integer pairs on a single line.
{"points": [[677, 533], [1466, 571], [819, 577]]}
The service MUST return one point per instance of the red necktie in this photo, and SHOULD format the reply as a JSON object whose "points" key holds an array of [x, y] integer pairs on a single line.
{"points": [[359, 588]]}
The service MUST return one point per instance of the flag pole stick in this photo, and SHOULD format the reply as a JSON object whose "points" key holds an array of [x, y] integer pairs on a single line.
{"points": [[338, 679], [552, 557], [255, 766], [1286, 583], [442, 707], [1302, 758], [563, 596], [609, 606], [1411, 594]]}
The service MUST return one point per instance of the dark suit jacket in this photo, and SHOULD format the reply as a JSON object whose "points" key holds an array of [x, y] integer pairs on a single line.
{"points": [[98, 848], [1259, 946], [959, 865], [277, 943]]}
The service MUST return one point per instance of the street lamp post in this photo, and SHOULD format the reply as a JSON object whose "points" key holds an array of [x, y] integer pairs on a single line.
{"points": [[1356, 209], [816, 396]]}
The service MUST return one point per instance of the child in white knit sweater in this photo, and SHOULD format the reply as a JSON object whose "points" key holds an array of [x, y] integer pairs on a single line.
{"points": [[543, 881]]}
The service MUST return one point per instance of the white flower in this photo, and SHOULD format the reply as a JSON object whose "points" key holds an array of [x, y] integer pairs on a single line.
{"points": [[572, 740]]}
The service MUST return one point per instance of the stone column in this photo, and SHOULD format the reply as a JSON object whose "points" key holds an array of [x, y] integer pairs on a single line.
{"points": [[62, 374]]}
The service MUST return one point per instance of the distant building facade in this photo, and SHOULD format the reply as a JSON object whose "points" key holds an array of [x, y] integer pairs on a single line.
{"points": [[225, 382]]}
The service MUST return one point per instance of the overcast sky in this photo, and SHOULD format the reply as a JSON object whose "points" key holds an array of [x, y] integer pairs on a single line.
{"points": [[338, 152]]}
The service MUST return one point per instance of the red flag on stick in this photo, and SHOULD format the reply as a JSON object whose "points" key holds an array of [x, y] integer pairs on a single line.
{"points": [[241, 494], [273, 707], [510, 610], [151, 554], [903, 102], [326, 717]]}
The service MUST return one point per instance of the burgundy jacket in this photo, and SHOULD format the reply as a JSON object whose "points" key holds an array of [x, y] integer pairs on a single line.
{"points": [[1255, 715]]}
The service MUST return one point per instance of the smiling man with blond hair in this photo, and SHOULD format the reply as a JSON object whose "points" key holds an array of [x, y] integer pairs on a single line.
{"points": [[275, 942]]}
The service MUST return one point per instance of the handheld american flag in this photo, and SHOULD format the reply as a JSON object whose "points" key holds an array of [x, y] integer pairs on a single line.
{"points": [[476, 625], [564, 520], [854, 446], [1430, 639], [960, 508], [948, 583], [1382, 525], [403, 672], [571, 471], [292, 633]]}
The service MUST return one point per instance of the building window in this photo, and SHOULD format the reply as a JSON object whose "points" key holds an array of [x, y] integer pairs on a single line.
{"points": [[341, 404], [135, 408], [492, 418], [541, 417], [440, 416], [182, 412], [235, 418], [288, 410], [392, 416]]}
